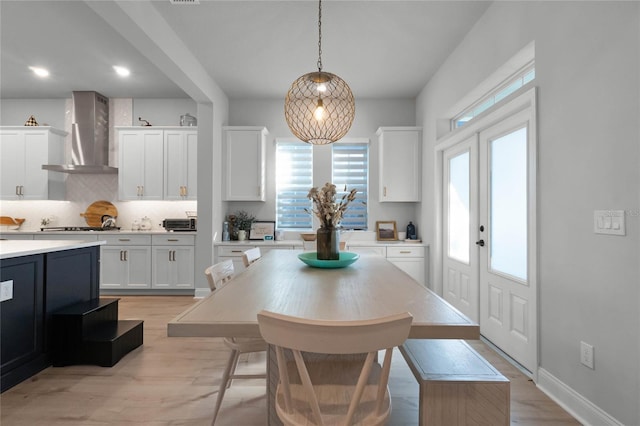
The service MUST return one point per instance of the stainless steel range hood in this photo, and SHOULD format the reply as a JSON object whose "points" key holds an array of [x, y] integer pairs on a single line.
{"points": [[89, 136]]}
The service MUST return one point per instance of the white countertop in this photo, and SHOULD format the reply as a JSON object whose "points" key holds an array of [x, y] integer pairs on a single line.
{"points": [[121, 231], [298, 242], [17, 248]]}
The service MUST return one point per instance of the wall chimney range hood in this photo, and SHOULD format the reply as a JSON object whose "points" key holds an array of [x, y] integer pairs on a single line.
{"points": [[89, 136]]}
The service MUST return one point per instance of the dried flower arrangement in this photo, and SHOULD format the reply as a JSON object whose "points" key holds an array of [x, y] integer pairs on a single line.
{"points": [[326, 208]]}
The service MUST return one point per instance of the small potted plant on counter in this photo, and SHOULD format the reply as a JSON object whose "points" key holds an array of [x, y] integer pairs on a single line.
{"points": [[240, 221]]}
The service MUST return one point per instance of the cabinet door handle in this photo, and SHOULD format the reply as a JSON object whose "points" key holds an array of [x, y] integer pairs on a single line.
{"points": [[121, 259], [126, 255], [17, 190], [21, 190], [174, 255], [170, 255], [141, 190], [384, 191]]}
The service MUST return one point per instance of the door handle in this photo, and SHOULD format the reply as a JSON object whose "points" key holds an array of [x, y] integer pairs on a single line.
{"points": [[480, 243]]}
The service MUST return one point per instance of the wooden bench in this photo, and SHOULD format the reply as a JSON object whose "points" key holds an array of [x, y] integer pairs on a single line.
{"points": [[457, 385]]}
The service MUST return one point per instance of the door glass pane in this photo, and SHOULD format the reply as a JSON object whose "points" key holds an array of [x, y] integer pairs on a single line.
{"points": [[508, 204], [459, 207]]}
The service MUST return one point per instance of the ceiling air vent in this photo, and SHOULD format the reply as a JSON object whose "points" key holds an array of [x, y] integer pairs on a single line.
{"points": [[180, 2]]}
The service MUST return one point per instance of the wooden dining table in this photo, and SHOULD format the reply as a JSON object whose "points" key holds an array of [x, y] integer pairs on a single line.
{"points": [[371, 287]]}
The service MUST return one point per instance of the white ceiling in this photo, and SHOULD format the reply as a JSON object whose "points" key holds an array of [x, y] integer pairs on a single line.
{"points": [[251, 49]]}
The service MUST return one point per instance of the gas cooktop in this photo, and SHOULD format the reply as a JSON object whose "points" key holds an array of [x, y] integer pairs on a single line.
{"points": [[78, 228]]}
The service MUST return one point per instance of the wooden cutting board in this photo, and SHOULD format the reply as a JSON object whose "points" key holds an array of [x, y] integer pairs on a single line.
{"points": [[9, 221], [97, 209]]}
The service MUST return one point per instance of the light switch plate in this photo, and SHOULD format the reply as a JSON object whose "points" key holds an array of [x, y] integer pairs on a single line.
{"points": [[6, 290], [610, 222]]}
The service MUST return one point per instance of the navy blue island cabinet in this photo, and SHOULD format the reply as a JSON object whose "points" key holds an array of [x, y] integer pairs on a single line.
{"points": [[41, 284]]}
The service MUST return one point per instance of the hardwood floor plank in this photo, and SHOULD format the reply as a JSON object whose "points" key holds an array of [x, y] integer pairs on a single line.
{"points": [[174, 381]]}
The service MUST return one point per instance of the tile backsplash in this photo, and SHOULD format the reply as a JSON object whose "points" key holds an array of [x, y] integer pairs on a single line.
{"points": [[84, 189]]}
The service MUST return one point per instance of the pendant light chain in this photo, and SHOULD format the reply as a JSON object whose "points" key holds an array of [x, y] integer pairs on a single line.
{"points": [[319, 107], [320, 36]]}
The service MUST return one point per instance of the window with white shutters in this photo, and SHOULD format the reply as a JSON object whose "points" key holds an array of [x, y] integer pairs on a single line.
{"points": [[351, 169], [294, 178]]}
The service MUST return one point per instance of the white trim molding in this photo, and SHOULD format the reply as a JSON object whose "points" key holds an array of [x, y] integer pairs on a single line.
{"points": [[585, 411]]}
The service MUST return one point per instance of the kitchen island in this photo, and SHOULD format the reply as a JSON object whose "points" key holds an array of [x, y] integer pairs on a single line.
{"points": [[38, 278]]}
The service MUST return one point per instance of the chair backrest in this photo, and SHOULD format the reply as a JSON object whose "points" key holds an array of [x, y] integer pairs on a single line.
{"points": [[219, 274], [334, 337], [250, 256]]}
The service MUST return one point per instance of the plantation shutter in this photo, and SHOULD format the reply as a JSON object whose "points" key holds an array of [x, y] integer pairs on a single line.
{"points": [[351, 168], [294, 178]]}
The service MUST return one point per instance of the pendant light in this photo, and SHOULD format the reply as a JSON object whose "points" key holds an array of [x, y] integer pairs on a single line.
{"points": [[319, 107]]}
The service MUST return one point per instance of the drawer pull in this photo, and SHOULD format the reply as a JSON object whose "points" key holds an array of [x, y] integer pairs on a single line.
{"points": [[173, 239], [236, 251], [405, 251], [124, 239]]}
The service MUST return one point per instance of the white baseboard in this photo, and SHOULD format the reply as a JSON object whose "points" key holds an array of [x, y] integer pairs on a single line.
{"points": [[577, 405], [201, 292]]}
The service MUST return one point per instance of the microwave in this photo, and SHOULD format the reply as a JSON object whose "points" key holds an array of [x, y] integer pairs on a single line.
{"points": [[189, 224]]}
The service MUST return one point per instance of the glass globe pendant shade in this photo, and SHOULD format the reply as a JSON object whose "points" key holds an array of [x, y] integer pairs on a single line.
{"points": [[319, 108]]}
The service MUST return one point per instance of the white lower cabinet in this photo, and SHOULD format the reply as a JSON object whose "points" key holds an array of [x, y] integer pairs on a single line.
{"points": [[379, 250], [173, 261], [234, 252], [410, 259], [125, 262]]}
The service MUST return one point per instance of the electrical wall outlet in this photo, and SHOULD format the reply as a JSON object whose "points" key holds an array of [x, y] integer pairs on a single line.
{"points": [[6, 290], [586, 355]]}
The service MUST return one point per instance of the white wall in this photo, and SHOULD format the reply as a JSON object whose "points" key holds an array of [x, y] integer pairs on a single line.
{"points": [[15, 112], [370, 114], [587, 72], [162, 112]]}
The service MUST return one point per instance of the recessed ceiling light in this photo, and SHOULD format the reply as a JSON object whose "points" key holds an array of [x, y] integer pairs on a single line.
{"points": [[40, 72], [122, 71]]}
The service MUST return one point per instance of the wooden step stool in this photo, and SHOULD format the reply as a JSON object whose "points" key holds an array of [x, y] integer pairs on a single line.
{"points": [[90, 333], [457, 385]]}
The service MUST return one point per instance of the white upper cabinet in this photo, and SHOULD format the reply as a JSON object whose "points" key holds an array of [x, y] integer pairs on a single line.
{"points": [[180, 164], [23, 152], [141, 160], [244, 163], [400, 158], [157, 163]]}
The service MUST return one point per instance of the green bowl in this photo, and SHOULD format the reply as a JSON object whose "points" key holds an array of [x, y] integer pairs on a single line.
{"points": [[311, 259]]}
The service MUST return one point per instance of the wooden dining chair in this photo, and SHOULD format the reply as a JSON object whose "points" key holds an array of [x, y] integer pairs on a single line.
{"points": [[218, 275], [321, 390], [250, 256]]}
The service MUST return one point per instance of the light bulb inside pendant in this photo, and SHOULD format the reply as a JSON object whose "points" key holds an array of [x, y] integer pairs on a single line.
{"points": [[322, 88], [318, 114]]}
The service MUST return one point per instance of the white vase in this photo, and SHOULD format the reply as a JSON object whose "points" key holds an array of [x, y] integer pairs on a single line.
{"points": [[242, 235]]}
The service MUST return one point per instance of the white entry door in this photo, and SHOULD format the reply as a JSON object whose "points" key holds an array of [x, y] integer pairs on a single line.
{"points": [[488, 232], [505, 238], [460, 222]]}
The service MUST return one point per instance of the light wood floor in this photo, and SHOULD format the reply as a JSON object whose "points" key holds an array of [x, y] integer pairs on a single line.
{"points": [[174, 381]]}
